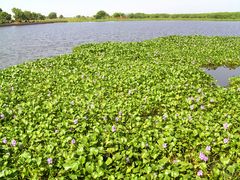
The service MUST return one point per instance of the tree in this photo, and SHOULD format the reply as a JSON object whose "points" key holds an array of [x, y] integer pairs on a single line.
{"points": [[5, 17], [28, 15], [18, 15], [40, 16], [0, 10], [101, 15], [119, 15], [61, 17], [52, 15]]}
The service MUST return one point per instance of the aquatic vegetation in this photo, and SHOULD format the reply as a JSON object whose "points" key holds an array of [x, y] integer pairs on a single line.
{"points": [[123, 111]]}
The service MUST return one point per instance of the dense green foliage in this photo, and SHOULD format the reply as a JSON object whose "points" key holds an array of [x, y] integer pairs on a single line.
{"points": [[26, 16], [219, 15], [101, 15], [119, 15], [52, 15], [5, 17], [123, 111]]}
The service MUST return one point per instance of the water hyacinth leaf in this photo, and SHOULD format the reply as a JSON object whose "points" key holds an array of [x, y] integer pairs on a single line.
{"points": [[109, 161], [71, 164]]}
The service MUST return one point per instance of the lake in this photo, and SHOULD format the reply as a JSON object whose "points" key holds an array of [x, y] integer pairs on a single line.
{"points": [[19, 44]]}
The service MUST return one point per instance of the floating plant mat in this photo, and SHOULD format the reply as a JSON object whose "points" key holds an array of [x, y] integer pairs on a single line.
{"points": [[123, 111], [222, 74]]}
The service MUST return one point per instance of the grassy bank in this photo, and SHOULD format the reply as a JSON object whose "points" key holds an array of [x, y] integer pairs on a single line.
{"points": [[123, 110]]}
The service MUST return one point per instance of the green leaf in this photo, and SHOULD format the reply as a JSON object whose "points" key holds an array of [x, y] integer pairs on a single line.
{"points": [[71, 164], [109, 161]]}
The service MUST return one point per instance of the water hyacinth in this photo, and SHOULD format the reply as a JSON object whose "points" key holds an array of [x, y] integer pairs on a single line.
{"points": [[164, 117], [114, 129], [164, 145], [189, 118], [120, 113], [202, 107], [190, 99], [200, 173], [75, 121], [203, 157], [199, 90], [159, 135], [127, 160], [73, 141], [13, 143], [4, 141], [208, 148], [192, 107], [49, 161], [2, 116], [225, 126], [226, 140]]}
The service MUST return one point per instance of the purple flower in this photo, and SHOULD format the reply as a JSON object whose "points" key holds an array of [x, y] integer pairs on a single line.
{"points": [[117, 119], [225, 125], [4, 141], [211, 100], [120, 113], [75, 121], [73, 141], [164, 145], [189, 118], [14, 142], [49, 160], [202, 107], [114, 129], [203, 157], [200, 173], [226, 140], [208, 148], [56, 131]]}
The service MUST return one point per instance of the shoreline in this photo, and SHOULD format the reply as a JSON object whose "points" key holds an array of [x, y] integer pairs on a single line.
{"points": [[67, 20], [27, 24]]}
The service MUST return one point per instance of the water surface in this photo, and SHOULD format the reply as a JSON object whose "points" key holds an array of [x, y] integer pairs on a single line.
{"points": [[21, 43], [222, 74]]}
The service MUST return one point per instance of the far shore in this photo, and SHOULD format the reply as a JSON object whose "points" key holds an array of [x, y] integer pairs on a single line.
{"points": [[113, 19], [30, 23]]}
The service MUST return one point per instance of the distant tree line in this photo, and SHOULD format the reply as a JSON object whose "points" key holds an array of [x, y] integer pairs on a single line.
{"points": [[219, 15], [28, 16], [25, 16]]}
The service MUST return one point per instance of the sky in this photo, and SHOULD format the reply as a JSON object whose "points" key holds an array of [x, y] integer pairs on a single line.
{"points": [[70, 8]]}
